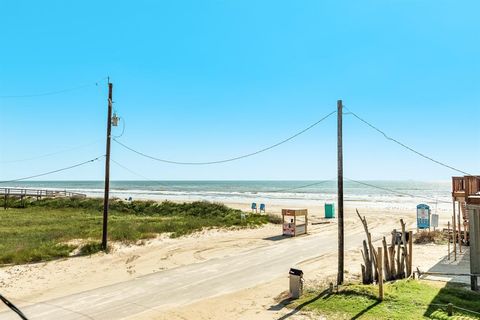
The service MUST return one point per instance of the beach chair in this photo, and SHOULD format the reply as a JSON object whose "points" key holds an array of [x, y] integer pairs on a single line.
{"points": [[262, 207], [254, 207]]}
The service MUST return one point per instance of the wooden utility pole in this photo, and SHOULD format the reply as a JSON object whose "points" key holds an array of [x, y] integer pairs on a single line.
{"points": [[341, 247], [107, 168]]}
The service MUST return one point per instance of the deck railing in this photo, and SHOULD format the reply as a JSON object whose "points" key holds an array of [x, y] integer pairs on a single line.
{"points": [[472, 185], [458, 184], [18, 192]]}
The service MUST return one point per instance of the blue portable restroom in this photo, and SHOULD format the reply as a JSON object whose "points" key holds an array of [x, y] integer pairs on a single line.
{"points": [[423, 216]]}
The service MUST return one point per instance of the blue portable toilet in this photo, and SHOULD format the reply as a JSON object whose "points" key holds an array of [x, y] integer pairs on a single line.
{"points": [[423, 216]]}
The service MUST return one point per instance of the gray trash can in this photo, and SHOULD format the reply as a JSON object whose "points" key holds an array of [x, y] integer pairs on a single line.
{"points": [[296, 283]]}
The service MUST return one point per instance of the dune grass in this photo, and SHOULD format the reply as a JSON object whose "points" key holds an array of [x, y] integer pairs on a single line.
{"points": [[405, 299], [425, 236], [52, 228]]}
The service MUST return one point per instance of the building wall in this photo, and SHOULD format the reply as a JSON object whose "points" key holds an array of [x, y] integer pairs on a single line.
{"points": [[474, 217]]}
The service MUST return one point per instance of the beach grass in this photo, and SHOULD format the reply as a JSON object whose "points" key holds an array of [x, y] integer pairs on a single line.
{"points": [[404, 299], [436, 237], [40, 230]]}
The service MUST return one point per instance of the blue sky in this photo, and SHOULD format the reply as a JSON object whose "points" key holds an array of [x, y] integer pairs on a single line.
{"points": [[203, 80]]}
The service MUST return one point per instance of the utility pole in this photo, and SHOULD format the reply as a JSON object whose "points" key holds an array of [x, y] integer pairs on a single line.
{"points": [[341, 247], [107, 168]]}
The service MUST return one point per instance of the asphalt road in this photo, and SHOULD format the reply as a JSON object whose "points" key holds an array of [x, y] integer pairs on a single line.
{"points": [[190, 283]]}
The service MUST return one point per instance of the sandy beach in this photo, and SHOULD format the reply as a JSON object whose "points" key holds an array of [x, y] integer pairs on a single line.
{"points": [[33, 283]]}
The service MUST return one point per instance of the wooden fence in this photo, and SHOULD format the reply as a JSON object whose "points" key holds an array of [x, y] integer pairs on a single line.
{"points": [[36, 193]]}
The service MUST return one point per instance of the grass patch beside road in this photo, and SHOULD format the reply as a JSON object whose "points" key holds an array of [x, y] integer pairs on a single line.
{"points": [[405, 299], [45, 229]]}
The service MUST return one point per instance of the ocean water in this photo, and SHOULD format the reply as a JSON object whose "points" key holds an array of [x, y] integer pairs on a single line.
{"points": [[436, 194]]}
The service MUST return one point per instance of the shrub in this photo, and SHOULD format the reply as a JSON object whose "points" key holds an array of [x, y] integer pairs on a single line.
{"points": [[90, 248], [275, 219], [424, 237]]}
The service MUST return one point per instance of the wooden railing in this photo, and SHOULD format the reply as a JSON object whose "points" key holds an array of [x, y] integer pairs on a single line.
{"points": [[458, 184], [472, 185], [39, 193]]}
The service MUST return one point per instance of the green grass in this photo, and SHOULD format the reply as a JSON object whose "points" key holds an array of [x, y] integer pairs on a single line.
{"points": [[90, 248], [44, 229], [405, 299]]}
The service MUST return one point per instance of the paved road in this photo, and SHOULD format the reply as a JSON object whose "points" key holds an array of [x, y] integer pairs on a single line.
{"points": [[184, 285]]}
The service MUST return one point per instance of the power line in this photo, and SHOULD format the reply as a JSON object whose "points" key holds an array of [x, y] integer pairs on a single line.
{"points": [[50, 154], [50, 93], [13, 307], [54, 171], [407, 147], [268, 191], [123, 129], [131, 171], [299, 187], [229, 159], [395, 191]]}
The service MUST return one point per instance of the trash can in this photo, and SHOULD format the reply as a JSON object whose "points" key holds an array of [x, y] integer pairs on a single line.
{"points": [[296, 283], [329, 210], [398, 237]]}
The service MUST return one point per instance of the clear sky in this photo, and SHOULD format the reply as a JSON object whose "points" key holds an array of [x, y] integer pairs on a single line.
{"points": [[203, 80]]}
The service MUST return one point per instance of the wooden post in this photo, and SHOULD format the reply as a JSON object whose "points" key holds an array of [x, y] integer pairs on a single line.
{"points": [[454, 226], [459, 228], [404, 254], [341, 247], [380, 273], [306, 222], [295, 225], [386, 264], [392, 255], [410, 252], [107, 169], [448, 237], [450, 309]]}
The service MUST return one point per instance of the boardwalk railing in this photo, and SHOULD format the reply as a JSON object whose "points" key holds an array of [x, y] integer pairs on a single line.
{"points": [[39, 193]]}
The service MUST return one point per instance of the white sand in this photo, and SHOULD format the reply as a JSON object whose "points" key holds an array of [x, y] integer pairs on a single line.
{"points": [[27, 284]]}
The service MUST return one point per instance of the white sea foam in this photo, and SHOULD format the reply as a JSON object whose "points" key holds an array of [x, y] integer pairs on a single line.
{"points": [[269, 192]]}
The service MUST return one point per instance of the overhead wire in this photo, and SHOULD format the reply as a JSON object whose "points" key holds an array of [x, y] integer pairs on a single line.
{"points": [[228, 159], [395, 191], [130, 170], [13, 307], [299, 187], [49, 93], [268, 191], [123, 129], [407, 147], [51, 154], [53, 171]]}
